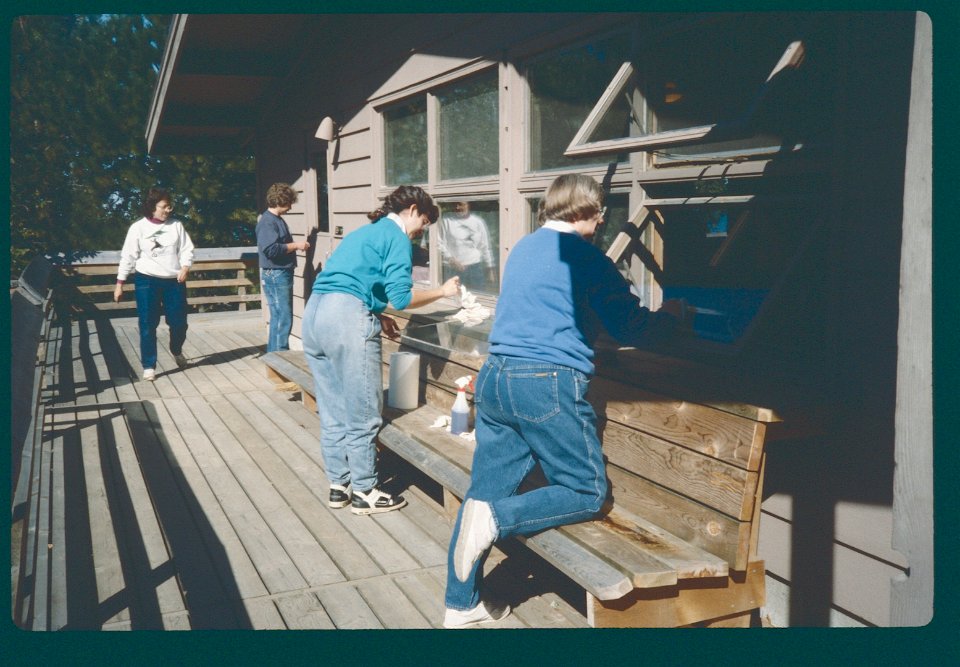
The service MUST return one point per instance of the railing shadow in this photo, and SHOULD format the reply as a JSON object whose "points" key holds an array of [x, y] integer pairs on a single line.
{"points": [[128, 437]]}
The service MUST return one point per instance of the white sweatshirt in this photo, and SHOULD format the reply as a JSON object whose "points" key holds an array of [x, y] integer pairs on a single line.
{"points": [[158, 249]]}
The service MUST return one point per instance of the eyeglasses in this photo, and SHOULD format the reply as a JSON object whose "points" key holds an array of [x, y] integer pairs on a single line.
{"points": [[603, 212]]}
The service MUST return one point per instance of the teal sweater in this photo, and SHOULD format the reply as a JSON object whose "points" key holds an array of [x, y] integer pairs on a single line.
{"points": [[373, 263]]}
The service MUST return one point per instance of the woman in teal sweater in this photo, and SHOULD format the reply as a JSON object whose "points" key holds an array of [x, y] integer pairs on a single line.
{"points": [[371, 267]]}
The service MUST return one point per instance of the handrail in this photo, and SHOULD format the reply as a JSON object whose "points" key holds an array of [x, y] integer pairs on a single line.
{"points": [[92, 277]]}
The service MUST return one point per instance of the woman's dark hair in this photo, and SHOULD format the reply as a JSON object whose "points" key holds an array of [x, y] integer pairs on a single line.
{"points": [[154, 197], [402, 198]]}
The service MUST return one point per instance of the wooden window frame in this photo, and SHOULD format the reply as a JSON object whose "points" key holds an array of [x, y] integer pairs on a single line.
{"points": [[792, 57]]}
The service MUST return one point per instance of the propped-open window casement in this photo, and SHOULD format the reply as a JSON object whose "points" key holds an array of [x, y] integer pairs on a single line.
{"points": [[723, 117]]}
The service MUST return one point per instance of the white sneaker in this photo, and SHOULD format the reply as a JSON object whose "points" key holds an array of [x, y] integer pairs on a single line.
{"points": [[149, 374], [180, 359], [477, 533], [454, 618]]}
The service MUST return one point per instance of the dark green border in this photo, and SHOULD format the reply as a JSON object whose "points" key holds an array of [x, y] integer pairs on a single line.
{"points": [[937, 643]]}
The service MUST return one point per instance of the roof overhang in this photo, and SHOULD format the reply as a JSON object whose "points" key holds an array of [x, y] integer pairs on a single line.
{"points": [[217, 77]]}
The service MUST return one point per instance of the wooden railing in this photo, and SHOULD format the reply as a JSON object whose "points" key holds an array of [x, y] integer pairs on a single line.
{"points": [[218, 276]]}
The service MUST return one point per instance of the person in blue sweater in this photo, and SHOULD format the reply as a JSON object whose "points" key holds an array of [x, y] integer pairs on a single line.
{"points": [[558, 291], [370, 268]]}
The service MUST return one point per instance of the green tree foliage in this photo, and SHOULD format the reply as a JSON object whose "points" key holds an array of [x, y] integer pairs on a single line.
{"points": [[81, 87]]}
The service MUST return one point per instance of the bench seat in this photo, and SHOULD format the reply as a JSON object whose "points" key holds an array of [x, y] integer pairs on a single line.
{"points": [[678, 545], [608, 557]]}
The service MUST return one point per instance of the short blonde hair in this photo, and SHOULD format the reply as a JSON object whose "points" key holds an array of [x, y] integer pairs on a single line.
{"points": [[569, 198]]}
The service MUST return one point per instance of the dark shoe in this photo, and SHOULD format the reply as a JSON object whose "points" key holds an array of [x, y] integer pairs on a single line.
{"points": [[180, 359], [375, 501], [339, 495]]}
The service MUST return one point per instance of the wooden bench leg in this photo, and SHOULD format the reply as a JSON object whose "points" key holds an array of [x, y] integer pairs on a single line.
{"points": [[274, 376], [451, 505], [309, 402], [715, 601]]}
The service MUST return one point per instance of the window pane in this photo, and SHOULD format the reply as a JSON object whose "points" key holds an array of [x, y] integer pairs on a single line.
{"points": [[616, 218], [712, 75], [725, 259], [405, 129], [563, 89], [469, 121], [421, 258], [468, 235]]}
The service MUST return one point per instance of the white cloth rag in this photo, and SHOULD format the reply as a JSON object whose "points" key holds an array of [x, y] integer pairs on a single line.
{"points": [[471, 313]]}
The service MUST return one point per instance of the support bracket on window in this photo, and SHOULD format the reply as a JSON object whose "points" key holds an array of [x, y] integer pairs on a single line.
{"points": [[624, 241], [792, 58]]}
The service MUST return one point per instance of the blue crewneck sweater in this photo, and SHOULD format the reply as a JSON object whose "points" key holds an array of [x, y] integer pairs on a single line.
{"points": [[373, 263], [558, 292]]}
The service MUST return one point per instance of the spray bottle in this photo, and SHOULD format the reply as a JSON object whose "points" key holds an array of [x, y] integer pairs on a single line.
{"points": [[460, 414]]}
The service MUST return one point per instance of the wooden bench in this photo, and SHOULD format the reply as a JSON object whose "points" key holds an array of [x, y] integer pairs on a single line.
{"points": [[678, 544], [31, 307]]}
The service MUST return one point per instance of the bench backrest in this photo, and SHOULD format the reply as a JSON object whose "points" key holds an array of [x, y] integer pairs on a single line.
{"points": [[694, 469]]}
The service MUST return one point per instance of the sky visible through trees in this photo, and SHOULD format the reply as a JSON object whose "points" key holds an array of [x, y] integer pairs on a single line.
{"points": [[80, 91]]}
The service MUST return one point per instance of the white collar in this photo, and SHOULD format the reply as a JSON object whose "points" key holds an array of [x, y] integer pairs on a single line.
{"points": [[560, 226], [396, 218]]}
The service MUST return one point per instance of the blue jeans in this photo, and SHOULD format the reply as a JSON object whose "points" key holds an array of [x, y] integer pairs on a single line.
{"points": [[152, 295], [278, 289], [530, 412], [341, 340]]}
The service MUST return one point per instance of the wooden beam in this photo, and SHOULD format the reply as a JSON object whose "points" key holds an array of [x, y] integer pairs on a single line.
{"points": [[690, 602]]}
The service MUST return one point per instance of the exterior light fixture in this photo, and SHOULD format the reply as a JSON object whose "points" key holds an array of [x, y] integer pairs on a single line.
{"points": [[327, 129]]}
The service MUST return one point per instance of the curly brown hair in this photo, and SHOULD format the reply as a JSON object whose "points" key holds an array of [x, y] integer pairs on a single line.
{"points": [[280, 194]]}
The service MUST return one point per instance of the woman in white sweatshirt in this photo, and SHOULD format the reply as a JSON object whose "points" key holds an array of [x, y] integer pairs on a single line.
{"points": [[159, 252]]}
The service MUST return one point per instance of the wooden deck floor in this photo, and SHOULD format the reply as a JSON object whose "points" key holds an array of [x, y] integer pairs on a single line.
{"points": [[198, 501]]}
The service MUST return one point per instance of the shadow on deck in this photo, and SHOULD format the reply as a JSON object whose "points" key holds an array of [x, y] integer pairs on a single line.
{"points": [[198, 501]]}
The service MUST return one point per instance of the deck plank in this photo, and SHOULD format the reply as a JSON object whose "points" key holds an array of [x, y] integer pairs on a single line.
{"points": [[303, 611], [146, 546], [129, 342], [313, 563], [347, 608], [207, 343], [386, 599], [273, 564], [242, 570], [111, 584], [300, 481], [201, 499]]}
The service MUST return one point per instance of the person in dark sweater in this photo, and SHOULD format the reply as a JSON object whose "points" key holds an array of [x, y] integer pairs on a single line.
{"points": [[558, 291], [278, 259]]}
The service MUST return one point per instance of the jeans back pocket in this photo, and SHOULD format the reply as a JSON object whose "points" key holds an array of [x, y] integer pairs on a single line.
{"points": [[534, 395]]}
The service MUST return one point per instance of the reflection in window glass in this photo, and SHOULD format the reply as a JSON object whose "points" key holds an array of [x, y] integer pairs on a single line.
{"points": [[563, 89], [421, 258], [468, 237], [405, 142], [469, 136]]}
